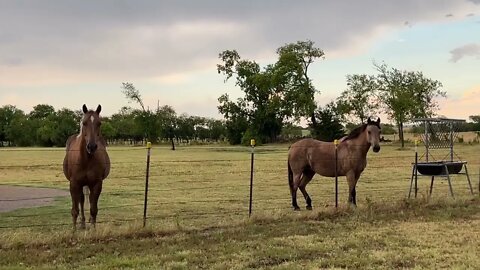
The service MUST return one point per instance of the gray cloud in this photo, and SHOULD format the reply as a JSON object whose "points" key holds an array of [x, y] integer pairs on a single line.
{"points": [[466, 50], [125, 39]]}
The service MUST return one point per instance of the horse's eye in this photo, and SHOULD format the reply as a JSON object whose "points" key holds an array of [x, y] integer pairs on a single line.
{"points": [[369, 132]]}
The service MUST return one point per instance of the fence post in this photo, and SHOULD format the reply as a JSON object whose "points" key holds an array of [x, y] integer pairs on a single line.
{"points": [[149, 147], [252, 144], [416, 170], [336, 173]]}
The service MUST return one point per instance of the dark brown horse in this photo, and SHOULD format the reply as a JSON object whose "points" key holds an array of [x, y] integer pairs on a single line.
{"points": [[86, 164], [308, 157]]}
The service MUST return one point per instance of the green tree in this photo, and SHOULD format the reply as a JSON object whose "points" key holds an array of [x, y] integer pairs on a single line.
{"points": [[108, 130], [326, 125], [20, 130], [406, 95], [273, 95], [217, 129], [124, 125], [145, 119], [167, 120], [7, 114], [132, 94], [40, 121], [41, 112], [236, 118], [358, 101], [65, 123], [476, 122]]}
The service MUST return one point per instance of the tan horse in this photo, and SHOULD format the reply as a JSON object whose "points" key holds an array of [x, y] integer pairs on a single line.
{"points": [[86, 164], [308, 157]]}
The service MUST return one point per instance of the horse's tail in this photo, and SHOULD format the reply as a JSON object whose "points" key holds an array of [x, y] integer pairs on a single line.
{"points": [[290, 176]]}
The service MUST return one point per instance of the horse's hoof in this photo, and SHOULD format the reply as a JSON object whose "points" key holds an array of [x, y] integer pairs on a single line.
{"points": [[309, 207], [296, 208]]}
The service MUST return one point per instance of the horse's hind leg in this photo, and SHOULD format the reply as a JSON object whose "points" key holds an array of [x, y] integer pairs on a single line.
{"points": [[307, 176], [75, 194], [293, 190], [94, 195], [352, 182]]}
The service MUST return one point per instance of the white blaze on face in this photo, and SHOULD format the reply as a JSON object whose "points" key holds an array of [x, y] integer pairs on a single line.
{"points": [[92, 118]]}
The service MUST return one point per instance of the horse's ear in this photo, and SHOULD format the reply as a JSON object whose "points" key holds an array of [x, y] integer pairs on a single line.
{"points": [[378, 120], [369, 121], [99, 109], [85, 110]]}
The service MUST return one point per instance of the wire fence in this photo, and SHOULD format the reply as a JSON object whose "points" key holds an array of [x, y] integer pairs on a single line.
{"points": [[209, 186]]}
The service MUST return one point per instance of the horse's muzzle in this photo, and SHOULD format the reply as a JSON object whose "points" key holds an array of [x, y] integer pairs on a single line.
{"points": [[91, 148], [376, 148]]}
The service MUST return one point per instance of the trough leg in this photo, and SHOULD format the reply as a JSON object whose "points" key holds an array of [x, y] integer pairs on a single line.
{"points": [[449, 182], [468, 179], [431, 185], [411, 182], [416, 181]]}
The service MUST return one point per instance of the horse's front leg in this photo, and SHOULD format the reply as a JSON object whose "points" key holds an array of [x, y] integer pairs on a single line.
{"points": [[352, 193], [82, 205], [75, 193], [95, 191]]}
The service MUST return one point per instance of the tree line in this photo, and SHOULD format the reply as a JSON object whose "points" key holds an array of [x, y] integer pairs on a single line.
{"points": [[276, 98], [282, 93], [44, 126]]}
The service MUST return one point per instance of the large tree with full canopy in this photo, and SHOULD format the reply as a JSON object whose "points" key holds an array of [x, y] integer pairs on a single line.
{"points": [[406, 95], [273, 95]]}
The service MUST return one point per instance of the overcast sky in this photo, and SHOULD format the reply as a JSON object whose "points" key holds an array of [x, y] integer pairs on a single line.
{"points": [[67, 53]]}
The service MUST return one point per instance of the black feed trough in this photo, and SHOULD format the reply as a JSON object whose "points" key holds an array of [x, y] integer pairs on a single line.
{"points": [[438, 168]]}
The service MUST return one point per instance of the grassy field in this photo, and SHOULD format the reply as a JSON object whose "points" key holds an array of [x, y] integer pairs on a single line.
{"points": [[198, 214]]}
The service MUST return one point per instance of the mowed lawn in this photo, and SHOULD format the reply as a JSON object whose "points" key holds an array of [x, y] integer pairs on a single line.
{"points": [[198, 214]]}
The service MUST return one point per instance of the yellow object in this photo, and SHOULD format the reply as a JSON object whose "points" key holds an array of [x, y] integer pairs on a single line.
{"points": [[252, 142], [335, 142], [149, 145], [416, 142]]}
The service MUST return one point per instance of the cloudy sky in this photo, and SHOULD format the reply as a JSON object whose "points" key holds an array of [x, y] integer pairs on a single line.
{"points": [[67, 53]]}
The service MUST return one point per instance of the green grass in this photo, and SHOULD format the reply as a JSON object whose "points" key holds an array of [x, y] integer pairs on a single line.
{"points": [[198, 214]]}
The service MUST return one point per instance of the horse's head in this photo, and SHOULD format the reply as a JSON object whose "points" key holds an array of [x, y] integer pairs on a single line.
{"points": [[90, 128], [373, 134]]}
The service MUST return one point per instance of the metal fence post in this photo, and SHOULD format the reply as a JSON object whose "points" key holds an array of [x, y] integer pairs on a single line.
{"points": [[149, 147], [252, 144], [416, 171], [336, 173]]}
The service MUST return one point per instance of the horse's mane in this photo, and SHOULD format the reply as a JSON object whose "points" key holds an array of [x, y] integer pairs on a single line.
{"points": [[359, 130]]}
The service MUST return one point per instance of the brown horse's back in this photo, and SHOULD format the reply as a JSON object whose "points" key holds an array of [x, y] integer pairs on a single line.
{"points": [[311, 154]]}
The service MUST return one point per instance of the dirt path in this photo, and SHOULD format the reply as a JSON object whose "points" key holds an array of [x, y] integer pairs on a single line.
{"points": [[15, 197]]}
